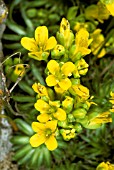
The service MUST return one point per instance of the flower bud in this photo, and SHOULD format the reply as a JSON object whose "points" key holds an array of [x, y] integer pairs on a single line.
{"points": [[73, 55], [32, 12], [51, 94], [57, 52], [45, 55], [8, 70], [71, 118], [68, 104], [8, 62], [78, 127], [60, 38], [75, 81], [79, 113]]}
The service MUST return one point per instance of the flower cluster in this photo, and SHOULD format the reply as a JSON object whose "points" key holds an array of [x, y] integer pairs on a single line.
{"points": [[63, 104]]}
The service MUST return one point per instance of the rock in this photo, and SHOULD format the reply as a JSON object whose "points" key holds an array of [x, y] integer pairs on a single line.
{"points": [[5, 128]]}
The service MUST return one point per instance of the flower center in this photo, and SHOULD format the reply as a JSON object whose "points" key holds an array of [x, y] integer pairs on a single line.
{"points": [[48, 132], [59, 76], [52, 109]]}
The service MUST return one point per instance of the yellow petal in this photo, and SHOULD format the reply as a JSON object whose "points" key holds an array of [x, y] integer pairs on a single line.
{"points": [[83, 50], [29, 44], [51, 81], [54, 103], [44, 117], [51, 125], [19, 69], [64, 25], [81, 91], [102, 53], [41, 35], [53, 67], [36, 140], [111, 101], [41, 106], [58, 89], [112, 110], [82, 38], [36, 55], [40, 89], [110, 7], [112, 94], [38, 127], [60, 114], [51, 43], [68, 68], [35, 87], [102, 166], [65, 84], [51, 143]]}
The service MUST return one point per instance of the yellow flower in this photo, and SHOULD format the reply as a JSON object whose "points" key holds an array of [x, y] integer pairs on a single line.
{"points": [[82, 66], [82, 42], [98, 12], [40, 89], [68, 104], [110, 7], [97, 42], [40, 46], [49, 111], [79, 25], [59, 75], [102, 166], [81, 91], [64, 26], [19, 70], [95, 119], [105, 166], [99, 118], [58, 90], [45, 134], [58, 51], [65, 36]]}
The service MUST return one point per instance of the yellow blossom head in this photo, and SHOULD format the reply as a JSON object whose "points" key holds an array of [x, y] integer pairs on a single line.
{"points": [[82, 42], [19, 70], [40, 89], [65, 36], [81, 91], [64, 26], [49, 111], [68, 103], [97, 42], [45, 133], [59, 75], [98, 11], [95, 119], [40, 45], [105, 166], [82, 66]]}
